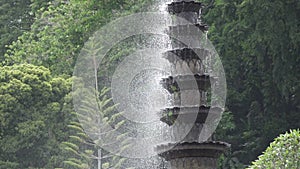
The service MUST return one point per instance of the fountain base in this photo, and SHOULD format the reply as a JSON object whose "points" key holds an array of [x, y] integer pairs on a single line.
{"points": [[193, 155], [194, 163]]}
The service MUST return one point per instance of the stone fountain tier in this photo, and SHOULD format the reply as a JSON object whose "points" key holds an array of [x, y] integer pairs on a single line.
{"points": [[210, 149], [187, 30], [189, 115], [187, 82], [186, 54], [193, 155], [189, 98], [184, 6], [186, 60]]}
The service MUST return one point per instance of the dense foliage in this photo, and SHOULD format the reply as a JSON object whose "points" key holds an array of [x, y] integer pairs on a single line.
{"points": [[34, 115], [17, 16], [284, 152], [58, 33], [258, 42], [14, 20], [53, 39]]}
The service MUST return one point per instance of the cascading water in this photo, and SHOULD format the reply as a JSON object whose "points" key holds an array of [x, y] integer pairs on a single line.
{"points": [[145, 96], [160, 90], [184, 142]]}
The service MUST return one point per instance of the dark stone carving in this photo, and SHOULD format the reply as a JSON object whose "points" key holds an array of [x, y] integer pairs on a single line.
{"points": [[179, 7], [187, 82], [212, 149], [187, 114], [186, 54], [187, 30]]}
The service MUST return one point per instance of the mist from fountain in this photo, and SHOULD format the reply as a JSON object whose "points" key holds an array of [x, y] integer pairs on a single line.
{"points": [[136, 84], [146, 97]]}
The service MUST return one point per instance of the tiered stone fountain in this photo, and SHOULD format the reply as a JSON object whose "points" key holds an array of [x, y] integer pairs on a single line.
{"points": [[189, 111]]}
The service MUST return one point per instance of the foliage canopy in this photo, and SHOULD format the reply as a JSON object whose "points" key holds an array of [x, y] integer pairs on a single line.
{"points": [[284, 152]]}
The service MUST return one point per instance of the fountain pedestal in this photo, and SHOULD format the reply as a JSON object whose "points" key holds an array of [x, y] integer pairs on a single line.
{"points": [[193, 155], [194, 163]]}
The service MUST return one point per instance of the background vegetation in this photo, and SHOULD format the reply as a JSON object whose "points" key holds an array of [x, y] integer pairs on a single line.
{"points": [[258, 41]]}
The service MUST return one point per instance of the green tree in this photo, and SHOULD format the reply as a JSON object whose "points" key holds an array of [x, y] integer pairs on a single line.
{"points": [[54, 41], [15, 19], [284, 152], [17, 16], [259, 44], [34, 113], [59, 32], [100, 120]]}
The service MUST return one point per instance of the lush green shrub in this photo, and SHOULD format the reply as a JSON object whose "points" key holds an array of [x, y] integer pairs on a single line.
{"points": [[283, 153]]}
